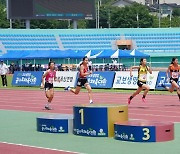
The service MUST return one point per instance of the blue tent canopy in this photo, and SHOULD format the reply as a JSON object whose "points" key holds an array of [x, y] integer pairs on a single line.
{"points": [[77, 54], [106, 54], [15, 54], [114, 54], [37, 54], [93, 53], [41, 54], [137, 54], [121, 54]]}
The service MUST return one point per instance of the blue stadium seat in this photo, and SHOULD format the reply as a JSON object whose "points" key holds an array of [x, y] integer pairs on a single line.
{"points": [[165, 39]]}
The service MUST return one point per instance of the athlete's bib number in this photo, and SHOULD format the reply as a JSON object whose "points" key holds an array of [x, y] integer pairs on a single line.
{"points": [[146, 134], [175, 74], [50, 80], [143, 76]]}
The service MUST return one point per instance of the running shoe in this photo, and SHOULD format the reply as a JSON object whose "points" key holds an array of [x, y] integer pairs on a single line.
{"points": [[143, 100], [48, 108], [67, 88], [129, 101], [91, 102]]}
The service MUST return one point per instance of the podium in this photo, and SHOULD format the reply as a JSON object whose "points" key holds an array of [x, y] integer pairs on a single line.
{"points": [[55, 123], [98, 120], [144, 131]]}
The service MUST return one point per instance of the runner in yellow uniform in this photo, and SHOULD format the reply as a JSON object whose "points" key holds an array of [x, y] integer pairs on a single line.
{"points": [[143, 69]]}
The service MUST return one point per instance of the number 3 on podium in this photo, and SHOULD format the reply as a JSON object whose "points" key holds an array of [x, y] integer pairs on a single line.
{"points": [[146, 134], [81, 112]]}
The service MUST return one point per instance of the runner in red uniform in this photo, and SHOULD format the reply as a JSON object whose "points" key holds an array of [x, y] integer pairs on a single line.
{"points": [[82, 80], [50, 76]]}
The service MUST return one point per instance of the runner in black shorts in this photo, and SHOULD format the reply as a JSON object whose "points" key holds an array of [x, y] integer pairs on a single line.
{"points": [[50, 76], [82, 80], [48, 86], [140, 83], [143, 69], [173, 70]]}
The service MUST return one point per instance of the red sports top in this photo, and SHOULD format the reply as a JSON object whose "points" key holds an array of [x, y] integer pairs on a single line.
{"points": [[50, 76], [84, 71]]}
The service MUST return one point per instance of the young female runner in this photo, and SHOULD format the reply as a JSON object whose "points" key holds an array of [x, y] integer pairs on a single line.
{"points": [[50, 76], [82, 80], [143, 69], [173, 71]]}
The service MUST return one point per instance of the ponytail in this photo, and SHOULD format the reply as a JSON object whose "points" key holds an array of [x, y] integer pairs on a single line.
{"points": [[141, 60], [173, 59]]}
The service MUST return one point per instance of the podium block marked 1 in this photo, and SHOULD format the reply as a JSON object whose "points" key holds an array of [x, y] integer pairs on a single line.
{"points": [[98, 120]]}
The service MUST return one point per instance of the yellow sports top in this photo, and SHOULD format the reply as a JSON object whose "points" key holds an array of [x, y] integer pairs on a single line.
{"points": [[142, 73]]}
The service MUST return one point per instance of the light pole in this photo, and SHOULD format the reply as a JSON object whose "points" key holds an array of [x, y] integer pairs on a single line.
{"points": [[137, 20], [109, 18], [159, 13], [97, 14], [170, 17]]}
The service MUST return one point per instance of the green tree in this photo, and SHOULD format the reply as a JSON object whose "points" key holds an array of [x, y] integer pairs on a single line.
{"points": [[3, 2], [49, 24], [104, 17], [132, 16], [165, 22], [176, 12], [82, 24], [4, 23]]}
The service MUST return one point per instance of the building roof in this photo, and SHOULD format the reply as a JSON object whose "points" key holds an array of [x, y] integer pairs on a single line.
{"points": [[172, 5], [127, 1]]}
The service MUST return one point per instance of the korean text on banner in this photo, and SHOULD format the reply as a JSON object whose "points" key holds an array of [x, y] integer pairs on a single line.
{"points": [[101, 79], [27, 78], [67, 78], [123, 80], [162, 80]]}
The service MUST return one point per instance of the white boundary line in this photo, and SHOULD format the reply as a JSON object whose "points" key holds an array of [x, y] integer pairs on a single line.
{"points": [[40, 147]]}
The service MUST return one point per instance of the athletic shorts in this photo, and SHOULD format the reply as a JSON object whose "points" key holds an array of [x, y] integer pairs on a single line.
{"points": [[173, 79], [140, 83], [81, 82], [48, 86]]}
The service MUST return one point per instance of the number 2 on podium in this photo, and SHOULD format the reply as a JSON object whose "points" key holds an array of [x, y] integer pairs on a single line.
{"points": [[81, 111]]}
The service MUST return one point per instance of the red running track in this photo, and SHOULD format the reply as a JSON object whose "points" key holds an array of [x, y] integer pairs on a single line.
{"points": [[157, 107]]}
